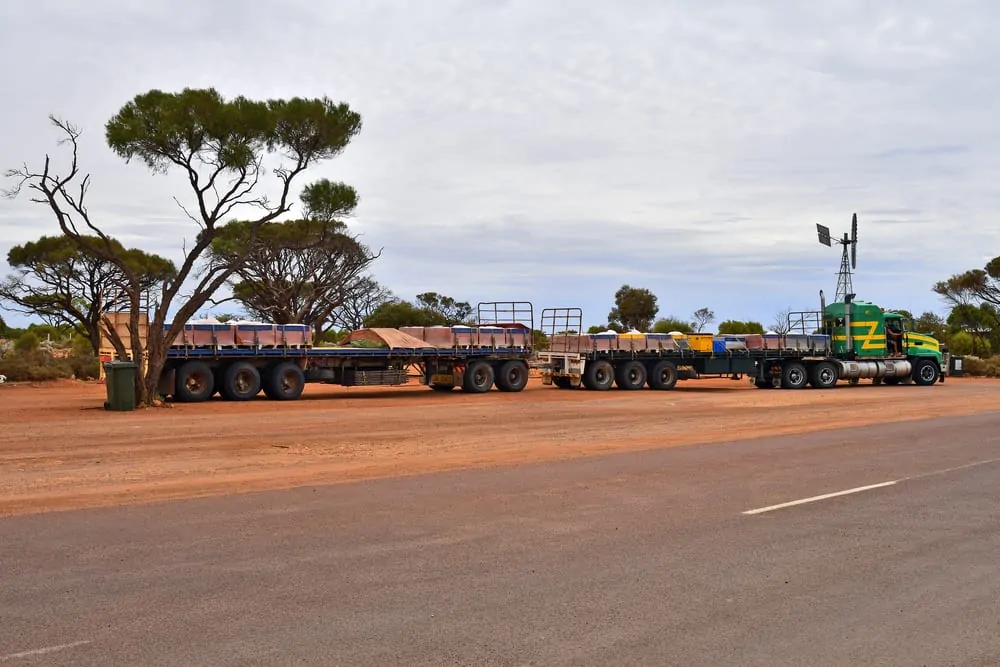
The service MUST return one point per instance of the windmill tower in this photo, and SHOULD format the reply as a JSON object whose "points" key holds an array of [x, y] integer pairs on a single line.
{"points": [[848, 258]]}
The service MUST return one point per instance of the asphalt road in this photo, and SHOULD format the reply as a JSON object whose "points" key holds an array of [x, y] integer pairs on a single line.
{"points": [[635, 559]]}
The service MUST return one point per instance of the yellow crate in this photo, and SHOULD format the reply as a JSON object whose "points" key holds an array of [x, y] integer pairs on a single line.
{"points": [[700, 342]]}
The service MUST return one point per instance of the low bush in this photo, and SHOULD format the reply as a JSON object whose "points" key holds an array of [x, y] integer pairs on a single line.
{"points": [[979, 367], [39, 366]]}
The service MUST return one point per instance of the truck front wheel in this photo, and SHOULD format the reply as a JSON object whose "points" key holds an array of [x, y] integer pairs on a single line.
{"points": [[925, 372]]}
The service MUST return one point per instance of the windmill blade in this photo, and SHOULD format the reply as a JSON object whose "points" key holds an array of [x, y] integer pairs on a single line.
{"points": [[824, 234], [854, 241]]}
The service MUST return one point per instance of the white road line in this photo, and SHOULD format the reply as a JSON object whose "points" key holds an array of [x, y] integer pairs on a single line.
{"points": [[946, 470], [42, 651], [803, 501], [859, 489]]}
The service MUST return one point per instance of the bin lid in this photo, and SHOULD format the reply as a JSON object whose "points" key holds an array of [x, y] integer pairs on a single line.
{"points": [[120, 364]]}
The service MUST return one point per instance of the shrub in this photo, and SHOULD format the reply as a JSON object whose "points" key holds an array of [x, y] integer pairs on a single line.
{"points": [[974, 366], [27, 342], [21, 366]]}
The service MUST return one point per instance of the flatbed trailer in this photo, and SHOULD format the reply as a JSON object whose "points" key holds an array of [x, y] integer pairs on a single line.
{"points": [[476, 364], [572, 362]]}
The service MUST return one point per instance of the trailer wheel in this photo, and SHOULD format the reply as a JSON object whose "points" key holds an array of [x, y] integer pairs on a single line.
{"points": [[240, 381], [284, 382], [562, 383], [631, 375], [793, 375], [442, 387], [598, 375], [194, 382], [663, 376], [890, 381], [823, 375], [925, 372], [478, 377], [512, 376]]}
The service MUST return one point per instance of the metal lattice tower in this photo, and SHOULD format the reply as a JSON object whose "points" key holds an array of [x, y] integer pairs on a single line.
{"points": [[848, 259], [844, 286]]}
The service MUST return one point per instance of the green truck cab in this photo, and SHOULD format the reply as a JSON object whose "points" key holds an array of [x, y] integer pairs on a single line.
{"points": [[862, 332]]}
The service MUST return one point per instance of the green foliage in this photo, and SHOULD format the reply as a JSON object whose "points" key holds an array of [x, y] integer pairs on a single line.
{"points": [[27, 342], [431, 309], [163, 129], [971, 287], [962, 343], [539, 341], [597, 328], [59, 280], [635, 308], [80, 346], [326, 201], [738, 327], [397, 314], [668, 324]]}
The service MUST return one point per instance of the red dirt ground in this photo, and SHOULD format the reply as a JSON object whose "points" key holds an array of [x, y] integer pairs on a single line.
{"points": [[60, 449]]}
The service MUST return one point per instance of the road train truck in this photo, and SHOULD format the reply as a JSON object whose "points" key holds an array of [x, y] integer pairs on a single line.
{"points": [[849, 340]]}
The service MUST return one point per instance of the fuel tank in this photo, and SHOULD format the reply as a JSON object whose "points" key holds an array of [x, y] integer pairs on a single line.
{"points": [[882, 368]]}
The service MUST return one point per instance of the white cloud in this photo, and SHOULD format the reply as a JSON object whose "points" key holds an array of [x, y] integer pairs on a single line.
{"points": [[552, 151]]}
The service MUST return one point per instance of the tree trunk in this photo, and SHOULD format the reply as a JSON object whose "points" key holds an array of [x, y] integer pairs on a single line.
{"points": [[95, 341], [156, 359]]}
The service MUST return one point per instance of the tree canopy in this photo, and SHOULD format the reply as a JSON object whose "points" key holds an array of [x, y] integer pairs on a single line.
{"points": [[740, 327], [635, 308], [62, 283], [220, 146], [431, 309]]}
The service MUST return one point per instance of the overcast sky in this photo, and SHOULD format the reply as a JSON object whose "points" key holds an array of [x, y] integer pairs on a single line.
{"points": [[551, 151]]}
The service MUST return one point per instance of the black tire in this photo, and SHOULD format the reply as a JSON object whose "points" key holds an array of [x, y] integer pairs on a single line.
{"points": [[925, 372], [663, 376], [442, 387], [478, 377], [240, 381], [891, 381], [194, 382], [630, 375], [284, 381], [598, 376], [764, 384], [512, 376], [794, 375], [562, 383], [823, 375]]}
